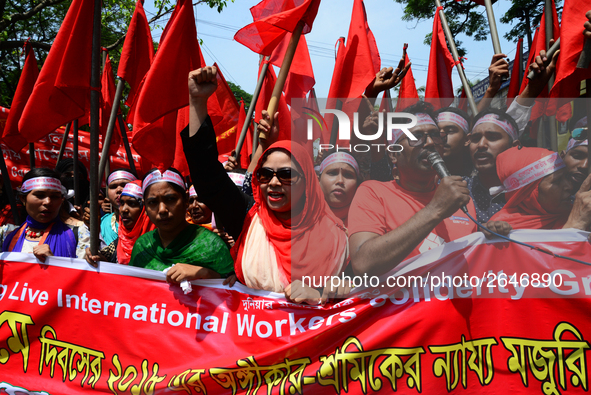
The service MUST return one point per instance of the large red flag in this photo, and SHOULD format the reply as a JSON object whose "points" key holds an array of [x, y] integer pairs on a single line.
{"points": [[439, 90], [26, 83], [514, 83], [108, 96], [301, 76], [3, 116], [137, 52], [263, 102], [165, 88], [273, 19], [246, 150], [62, 91], [407, 94]]}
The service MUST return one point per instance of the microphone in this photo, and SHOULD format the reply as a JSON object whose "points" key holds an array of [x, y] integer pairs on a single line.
{"points": [[438, 165]]}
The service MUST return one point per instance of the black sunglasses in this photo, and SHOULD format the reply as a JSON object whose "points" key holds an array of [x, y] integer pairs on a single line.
{"points": [[437, 137], [286, 175]]}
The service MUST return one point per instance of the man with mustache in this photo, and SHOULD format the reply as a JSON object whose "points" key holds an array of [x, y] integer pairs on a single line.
{"points": [[391, 221]]}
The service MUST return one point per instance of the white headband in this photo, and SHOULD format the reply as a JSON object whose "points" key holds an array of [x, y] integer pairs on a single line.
{"points": [[448, 116], [530, 173], [572, 143], [133, 190], [192, 191], [339, 157], [422, 119], [121, 175], [43, 183], [237, 178], [167, 176], [494, 118]]}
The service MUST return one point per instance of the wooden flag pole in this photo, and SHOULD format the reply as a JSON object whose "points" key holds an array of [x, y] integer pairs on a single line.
{"points": [[32, 155], [75, 164], [64, 142], [549, 55], [94, 128], [8, 190], [494, 35], [285, 66], [110, 128], [550, 36], [251, 108], [520, 65], [588, 109], [123, 129], [338, 105], [456, 56], [585, 58]]}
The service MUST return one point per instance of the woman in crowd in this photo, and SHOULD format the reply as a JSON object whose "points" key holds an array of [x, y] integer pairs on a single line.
{"points": [[537, 191], [43, 233], [339, 179], [115, 184], [194, 251], [199, 213], [286, 231]]}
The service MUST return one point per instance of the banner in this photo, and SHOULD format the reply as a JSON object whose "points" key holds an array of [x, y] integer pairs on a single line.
{"points": [[489, 317], [47, 150]]}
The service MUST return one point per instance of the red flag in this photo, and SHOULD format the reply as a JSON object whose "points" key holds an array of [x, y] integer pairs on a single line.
{"points": [[273, 19], [301, 76], [463, 105], [3, 116], [108, 95], [62, 91], [439, 91], [137, 53], [246, 150], [165, 88], [26, 83], [514, 83], [263, 102], [407, 94]]}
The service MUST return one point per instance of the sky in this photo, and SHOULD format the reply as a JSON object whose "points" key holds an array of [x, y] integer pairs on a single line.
{"points": [[240, 65]]}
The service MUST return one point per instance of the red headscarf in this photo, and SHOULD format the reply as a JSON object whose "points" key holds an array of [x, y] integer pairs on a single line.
{"points": [[127, 238], [315, 245], [523, 211]]}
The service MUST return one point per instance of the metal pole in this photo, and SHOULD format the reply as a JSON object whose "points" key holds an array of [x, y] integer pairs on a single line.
{"points": [[94, 128], [64, 142], [454, 52], [32, 155], [8, 189], [75, 164], [110, 128], [549, 55], [123, 129], [494, 35]]}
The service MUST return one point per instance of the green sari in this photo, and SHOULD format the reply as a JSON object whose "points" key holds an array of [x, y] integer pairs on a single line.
{"points": [[195, 245]]}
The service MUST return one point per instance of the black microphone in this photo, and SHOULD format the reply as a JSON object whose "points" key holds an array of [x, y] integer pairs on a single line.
{"points": [[438, 165]]}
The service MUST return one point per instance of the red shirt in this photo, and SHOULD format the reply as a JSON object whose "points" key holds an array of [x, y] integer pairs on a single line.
{"points": [[380, 207]]}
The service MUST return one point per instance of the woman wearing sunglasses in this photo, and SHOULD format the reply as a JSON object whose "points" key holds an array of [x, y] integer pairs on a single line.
{"points": [[286, 230]]}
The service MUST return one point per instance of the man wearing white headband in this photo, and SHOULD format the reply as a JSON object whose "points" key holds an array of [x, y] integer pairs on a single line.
{"points": [[392, 221], [115, 184], [455, 124]]}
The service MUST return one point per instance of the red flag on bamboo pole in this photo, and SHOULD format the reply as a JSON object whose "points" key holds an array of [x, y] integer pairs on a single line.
{"points": [[439, 90], [273, 19], [165, 90], [263, 101], [223, 109], [108, 95], [137, 53], [407, 94], [514, 83], [62, 91], [26, 83]]}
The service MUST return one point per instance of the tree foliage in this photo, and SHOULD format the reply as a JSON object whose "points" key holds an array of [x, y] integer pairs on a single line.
{"points": [[239, 93]]}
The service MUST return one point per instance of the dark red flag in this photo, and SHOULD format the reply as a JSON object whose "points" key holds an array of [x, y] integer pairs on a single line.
{"points": [[463, 105], [26, 83], [273, 19], [137, 53], [62, 91], [514, 83], [263, 102], [439, 90], [407, 94]]}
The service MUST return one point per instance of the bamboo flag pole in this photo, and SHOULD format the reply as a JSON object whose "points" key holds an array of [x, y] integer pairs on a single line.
{"points": [[32, 155], [123, 129], [75, 165], [8, 189], [285, 66], [110, 128], [494, 35], [64, 142], [454, 52], [338, 105], [549, 36], [94, 128], [251, 108]]}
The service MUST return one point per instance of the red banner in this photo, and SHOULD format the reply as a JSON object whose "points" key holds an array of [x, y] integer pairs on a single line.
{"points": [[47, 150], [508, 320]]}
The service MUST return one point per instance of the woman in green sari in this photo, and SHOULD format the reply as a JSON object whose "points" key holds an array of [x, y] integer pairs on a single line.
{"points": [[195, 252]]}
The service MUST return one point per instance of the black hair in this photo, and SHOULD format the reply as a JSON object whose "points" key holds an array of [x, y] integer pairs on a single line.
{"points": [[40, 172], [176, 187], [455, 110], [501, 114], [422, 107]]}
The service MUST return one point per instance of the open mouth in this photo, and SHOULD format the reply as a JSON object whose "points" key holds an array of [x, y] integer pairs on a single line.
{"points": [[275, 196]]}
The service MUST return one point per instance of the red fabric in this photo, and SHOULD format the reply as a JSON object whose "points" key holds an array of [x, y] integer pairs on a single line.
{"points": [[165, 88], [108, 95], [407, 94], [246, 150], [137, 53], [522, 210], [463, 101], [11, 135], [313, 236], [439, 90], [273, 19], [127, 238], [514, 83], [62, 91], [263, 103], [301, 76], [3, 116], [380, 207]]}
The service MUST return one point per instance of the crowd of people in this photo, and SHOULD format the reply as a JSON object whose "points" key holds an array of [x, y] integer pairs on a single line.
{"points": [[286, 217]]}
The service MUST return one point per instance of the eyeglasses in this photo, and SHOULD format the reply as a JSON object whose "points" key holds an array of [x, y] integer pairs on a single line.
{"points": [[580, 134], [286, 175], [437, 137]]}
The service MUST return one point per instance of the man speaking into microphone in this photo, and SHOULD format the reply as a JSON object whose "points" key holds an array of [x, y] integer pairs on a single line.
{"points": [[395, 220]]}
